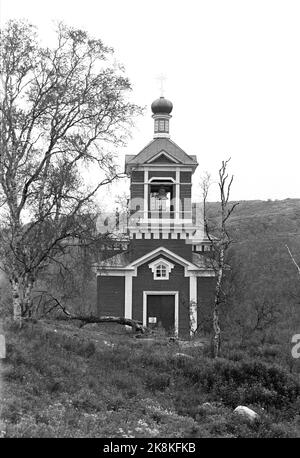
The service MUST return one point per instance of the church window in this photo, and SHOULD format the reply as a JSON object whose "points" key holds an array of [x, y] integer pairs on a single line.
{"points": [[161, 197], [160, 271], [161, 125]]}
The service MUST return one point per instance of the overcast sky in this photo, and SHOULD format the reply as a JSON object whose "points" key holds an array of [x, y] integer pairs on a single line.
{"points": [[233, 75]]}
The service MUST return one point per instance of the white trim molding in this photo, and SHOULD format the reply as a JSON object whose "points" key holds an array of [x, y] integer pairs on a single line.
{"points": [[162, 293], [190, 269], [146, 192], [160, 178], [111, 271], [161, 261], [164, 153], [128, 297], [177, 195], [193, 305]]}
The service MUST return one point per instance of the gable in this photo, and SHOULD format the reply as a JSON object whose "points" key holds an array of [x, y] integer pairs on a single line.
{"points": [[169, 255], [153, 150], [116, 267], [149, 266], [159, 261], [163, 158]]}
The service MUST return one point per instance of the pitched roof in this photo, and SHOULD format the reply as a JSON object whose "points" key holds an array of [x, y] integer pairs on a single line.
{"points": [[118, 260], [203, 262], [155, 147], [122, 260]]}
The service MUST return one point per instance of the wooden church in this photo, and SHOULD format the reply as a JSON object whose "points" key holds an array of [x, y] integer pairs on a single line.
{"points": [[164, 278]]}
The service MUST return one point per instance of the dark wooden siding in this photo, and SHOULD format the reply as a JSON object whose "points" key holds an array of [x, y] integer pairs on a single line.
{"points": [[185, 177], [205, 298], [110, 295], [137, 190], [140, 247], [137, 176], [177, 282], [185, 191], [186, 197], [136, 196]]}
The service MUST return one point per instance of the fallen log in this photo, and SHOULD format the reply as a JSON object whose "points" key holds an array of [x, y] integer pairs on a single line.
{"points": [[136, 325], [87, 319]]}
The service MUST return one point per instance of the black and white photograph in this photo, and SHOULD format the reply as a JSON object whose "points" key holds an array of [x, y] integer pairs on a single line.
{"points": [[149, 223]]}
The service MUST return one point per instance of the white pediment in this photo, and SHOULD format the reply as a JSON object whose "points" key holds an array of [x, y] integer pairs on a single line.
{"points": [[159, 155], [161, 261]]}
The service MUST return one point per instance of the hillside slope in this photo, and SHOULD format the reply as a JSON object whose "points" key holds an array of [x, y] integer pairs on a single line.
{"points": [[264, 279], [63, 381], [257, 218]]}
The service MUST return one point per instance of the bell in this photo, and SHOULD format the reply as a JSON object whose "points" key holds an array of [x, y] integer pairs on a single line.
{"points": [[162, 193]]}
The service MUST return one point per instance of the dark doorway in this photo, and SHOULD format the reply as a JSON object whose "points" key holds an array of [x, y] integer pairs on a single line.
{"points": [[161, 311]]}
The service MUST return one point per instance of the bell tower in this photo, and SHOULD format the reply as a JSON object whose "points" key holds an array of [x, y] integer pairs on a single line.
{"points": [[162, 274], [161, 184]]}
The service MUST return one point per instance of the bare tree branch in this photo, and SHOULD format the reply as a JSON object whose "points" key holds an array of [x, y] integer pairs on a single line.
{"points": [[63, 110], [220, 243], [293, 260]]}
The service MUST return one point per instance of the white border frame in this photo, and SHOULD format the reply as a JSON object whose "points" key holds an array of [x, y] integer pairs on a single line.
{"points": [[162, 293]]}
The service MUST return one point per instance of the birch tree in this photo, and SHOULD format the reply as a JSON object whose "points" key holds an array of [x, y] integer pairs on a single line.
{"points": [[63, 110], [296, 264], [220, 242]]}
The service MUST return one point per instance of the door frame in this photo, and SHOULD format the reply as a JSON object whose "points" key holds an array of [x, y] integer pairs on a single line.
{"points": [[162, 293]]}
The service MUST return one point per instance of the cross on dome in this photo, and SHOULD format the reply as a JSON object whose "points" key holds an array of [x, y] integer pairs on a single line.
{"points": [[161, 78]]}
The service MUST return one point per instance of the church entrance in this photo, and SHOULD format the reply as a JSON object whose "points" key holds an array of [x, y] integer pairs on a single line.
{"points": [[161, 311]]}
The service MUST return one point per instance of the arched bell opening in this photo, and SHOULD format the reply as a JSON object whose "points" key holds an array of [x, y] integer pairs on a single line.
{"points": [[161, 198]]}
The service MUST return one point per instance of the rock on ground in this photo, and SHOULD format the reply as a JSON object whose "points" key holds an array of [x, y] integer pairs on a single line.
{"points": [[246, 412], [183, 355]]}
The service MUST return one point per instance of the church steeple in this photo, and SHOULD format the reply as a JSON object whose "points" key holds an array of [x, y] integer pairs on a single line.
{"points": [[161, 109], [161, 183]]}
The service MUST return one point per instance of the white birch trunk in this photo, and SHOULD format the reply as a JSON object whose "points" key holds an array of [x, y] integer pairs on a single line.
{"points": [[27, 299], [17, 302], [193, 318], [216, 322]]}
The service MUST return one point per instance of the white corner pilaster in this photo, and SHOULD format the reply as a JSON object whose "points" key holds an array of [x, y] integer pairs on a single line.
{"points": [[128, 296], [146, 178], [193, 305], [177, 196]]}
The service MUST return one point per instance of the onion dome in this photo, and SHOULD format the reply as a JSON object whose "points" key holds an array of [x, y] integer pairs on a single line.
{"points": [[161, 105]]}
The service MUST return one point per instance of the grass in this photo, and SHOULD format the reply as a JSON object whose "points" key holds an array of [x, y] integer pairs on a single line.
{"points": [[62, 381]]}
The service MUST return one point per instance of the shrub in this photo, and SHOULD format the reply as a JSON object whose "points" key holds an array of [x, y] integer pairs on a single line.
{"points": [[87, 349], [158, 360], [243, 382], [157, 382], [63, 386], [256, 382]]}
